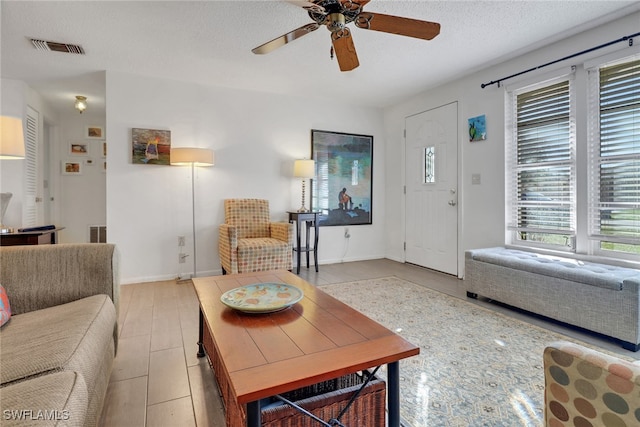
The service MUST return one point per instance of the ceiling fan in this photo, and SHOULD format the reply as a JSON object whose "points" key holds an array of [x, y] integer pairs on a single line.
{"points": [[336, 14]]}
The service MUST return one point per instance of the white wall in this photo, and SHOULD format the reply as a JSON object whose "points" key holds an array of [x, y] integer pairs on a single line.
{"points": [[14, 94], [81, 199], [482, 207], [255, 136]]}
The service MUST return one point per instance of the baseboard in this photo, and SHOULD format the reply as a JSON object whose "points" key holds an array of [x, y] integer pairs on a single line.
{"points": [[350, 259], [145, 279]]}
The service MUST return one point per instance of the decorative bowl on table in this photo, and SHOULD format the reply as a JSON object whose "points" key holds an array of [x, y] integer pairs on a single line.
{"points": [[262, 297]]}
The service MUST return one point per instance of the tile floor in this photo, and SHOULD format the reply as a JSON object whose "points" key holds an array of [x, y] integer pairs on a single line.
{"points": [[157, 380]]}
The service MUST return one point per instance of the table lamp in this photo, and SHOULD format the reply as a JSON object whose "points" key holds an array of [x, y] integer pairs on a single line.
{"points": [[305, 169], [11, 148]]}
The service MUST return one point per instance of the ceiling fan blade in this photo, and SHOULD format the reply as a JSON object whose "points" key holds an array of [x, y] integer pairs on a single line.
{"points": [[308, 5], [284, 39], [397, 25], [345, 51]]}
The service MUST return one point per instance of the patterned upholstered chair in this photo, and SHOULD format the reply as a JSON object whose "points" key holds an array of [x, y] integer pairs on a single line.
{"points": [[584, 387], [249, 241]]}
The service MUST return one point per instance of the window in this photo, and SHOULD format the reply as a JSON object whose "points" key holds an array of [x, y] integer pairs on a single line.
{"points": [[614, 213], [429, 165], [541, 166]]}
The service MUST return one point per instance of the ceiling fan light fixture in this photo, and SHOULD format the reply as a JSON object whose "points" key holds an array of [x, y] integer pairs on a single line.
{"points": [[81, 103], [336, 22]]}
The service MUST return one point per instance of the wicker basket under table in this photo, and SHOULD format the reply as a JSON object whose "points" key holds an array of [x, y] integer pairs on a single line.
{"points": [[325, 400]]}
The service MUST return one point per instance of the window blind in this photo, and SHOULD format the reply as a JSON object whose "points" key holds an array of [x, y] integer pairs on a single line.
{"points": [[615, 157], [320, 185], [29, 208], [543, 165]]}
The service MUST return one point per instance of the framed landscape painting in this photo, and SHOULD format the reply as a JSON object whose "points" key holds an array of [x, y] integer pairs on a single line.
{"points": [[343, 187], [150, 146]]}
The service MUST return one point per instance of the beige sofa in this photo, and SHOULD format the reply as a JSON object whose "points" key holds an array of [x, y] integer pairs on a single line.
{"points": [[57, 350], [585, 387]]}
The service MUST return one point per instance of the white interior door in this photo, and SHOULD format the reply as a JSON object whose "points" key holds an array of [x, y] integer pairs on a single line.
{"points": [[431, 166]]}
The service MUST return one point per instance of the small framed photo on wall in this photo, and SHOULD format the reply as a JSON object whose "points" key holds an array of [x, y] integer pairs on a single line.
{"points": [[78, 148], [72, 167], [94, 132]]}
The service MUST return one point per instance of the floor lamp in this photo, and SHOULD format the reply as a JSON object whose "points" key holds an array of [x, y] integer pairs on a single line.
{"points": [[11, 147], [193, 157]]}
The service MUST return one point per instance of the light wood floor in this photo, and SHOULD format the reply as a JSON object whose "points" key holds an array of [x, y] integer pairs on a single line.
{"points": [[157, 380]]}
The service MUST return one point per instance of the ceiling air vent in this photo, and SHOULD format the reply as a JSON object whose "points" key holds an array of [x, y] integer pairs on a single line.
{"points": [[57, 47]]}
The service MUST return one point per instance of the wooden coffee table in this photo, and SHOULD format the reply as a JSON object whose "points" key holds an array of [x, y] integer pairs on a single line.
{"points": [[317, 339]]}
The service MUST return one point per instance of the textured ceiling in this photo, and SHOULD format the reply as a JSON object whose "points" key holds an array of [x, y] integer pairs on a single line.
{"points": [[210, 42]]}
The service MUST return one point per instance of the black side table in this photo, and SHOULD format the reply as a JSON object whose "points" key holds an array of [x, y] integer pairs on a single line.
{"points": [[311, 220]]}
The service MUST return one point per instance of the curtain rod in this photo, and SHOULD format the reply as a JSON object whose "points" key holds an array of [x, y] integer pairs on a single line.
{"points": [[621, 39]]}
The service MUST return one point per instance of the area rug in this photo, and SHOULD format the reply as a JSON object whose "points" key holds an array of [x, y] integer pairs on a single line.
{"points": [[476, 367]]}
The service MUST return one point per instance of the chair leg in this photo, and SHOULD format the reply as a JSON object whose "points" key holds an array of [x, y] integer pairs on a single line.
{"points": [[224, 272]]}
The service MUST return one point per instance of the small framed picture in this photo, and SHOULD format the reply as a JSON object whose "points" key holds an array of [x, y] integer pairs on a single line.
{"points": [[94, 132], [78, 148], [477, 128], [150, 146], [72, 167]]}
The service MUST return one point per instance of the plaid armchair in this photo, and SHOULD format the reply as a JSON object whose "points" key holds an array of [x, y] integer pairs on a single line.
{"points": [[585, 387], [249, 241]]}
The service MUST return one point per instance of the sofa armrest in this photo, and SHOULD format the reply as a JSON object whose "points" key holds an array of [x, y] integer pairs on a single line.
{"points": [[37, 277], [228, 247], [282, 231], [579, 379]]}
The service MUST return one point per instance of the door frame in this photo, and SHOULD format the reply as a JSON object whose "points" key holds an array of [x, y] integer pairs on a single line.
{"points": [[460, 184]]}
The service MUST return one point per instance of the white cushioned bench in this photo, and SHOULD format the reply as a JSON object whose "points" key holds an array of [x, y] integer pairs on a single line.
{"points": [[599, 297]]}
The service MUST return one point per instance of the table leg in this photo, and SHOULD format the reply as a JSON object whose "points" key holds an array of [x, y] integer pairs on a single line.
{"points": [[393, 396], [306, 243], [200, 335], [298, 245], [315, 242], [253, 414]]}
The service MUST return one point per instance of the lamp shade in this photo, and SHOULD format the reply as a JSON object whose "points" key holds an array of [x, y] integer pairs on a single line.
{"points": [[304, 168], [189, 155], [11, 138]]}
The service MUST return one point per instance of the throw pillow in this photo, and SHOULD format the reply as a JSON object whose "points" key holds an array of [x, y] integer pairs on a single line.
{"points": [[5, 308]]}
